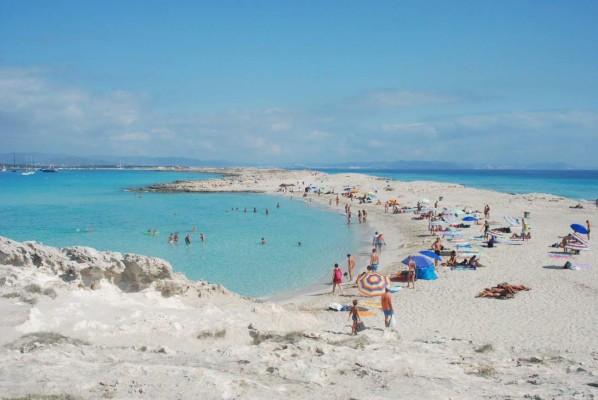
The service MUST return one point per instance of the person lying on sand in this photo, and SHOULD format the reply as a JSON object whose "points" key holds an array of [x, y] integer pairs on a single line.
{"points": [[503, 290], [522, 236]]}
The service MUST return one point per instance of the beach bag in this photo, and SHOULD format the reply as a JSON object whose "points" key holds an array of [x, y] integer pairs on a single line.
{"points": [[360, 327], [393, 322], [568, 265]]}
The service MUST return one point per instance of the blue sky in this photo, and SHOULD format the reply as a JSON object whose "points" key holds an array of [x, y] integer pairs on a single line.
{"points": [[277, 82]]}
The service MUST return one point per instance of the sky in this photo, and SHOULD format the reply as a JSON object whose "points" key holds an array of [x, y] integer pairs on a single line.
{"points": [[280, 82]]}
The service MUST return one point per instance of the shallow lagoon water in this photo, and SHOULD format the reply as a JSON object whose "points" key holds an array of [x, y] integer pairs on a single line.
{"points": [[59, 210]]}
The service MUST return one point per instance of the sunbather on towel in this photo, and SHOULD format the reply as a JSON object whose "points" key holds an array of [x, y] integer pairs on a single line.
{"points": [[452, 261], [504, 290], [471, 263]]}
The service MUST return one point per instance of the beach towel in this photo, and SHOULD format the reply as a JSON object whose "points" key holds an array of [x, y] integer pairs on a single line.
{"points": [[580, 267], [560, 255], [463, 268], [372, 304]]}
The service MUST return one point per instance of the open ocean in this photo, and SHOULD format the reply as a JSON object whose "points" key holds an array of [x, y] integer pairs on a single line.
{"points": [[575, 184], [58, 209]]}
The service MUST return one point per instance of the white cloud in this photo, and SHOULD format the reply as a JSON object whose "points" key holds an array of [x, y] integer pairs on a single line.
{"points": [[37, 114], [389, 99]]}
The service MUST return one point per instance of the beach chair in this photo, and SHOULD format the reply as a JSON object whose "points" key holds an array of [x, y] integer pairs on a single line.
{"points": [[581, 240], [514, 222]]}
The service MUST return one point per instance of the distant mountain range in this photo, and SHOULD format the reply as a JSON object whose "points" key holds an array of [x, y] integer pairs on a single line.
{"points": [[436, 165], [61, 160]]}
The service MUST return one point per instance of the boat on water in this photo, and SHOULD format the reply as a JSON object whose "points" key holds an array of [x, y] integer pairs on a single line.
{"points": [[3, 168], [28, 171], [50, 169]]}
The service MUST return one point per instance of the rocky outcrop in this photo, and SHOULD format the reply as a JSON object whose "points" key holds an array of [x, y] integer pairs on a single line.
{"points": [[90, 268]]}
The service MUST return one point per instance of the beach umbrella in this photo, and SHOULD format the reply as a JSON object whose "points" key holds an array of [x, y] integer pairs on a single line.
{"points": [[437, 223], [420, 262], [431, 254], [453, 233], [424, 201], [372, 195], [456, 211], [373, 284], [470, 218], [579, 229]]}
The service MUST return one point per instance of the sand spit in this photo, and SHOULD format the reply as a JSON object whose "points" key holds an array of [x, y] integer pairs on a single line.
{"points": [[108, 325]]}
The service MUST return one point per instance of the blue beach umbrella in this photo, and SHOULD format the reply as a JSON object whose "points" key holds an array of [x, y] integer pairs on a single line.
{"points": [[420, 262], [470, 218], [431, 254], [579, 229]]}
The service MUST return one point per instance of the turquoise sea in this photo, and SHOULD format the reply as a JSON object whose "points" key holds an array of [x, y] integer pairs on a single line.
{"points": [[577, 184], [58, 209]]}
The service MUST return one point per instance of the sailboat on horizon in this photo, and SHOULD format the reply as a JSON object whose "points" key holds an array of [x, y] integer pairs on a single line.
{"points": [[14, 162], [28, 171]]}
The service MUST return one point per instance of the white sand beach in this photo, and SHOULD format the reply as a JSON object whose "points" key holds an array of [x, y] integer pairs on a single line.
{"points": [[126, 326]]}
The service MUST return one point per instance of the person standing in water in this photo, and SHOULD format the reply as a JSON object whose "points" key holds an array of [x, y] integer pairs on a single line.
{"points": [[188, 239], [202, 237]]}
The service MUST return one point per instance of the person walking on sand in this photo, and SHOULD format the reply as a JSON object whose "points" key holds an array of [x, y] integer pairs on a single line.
{"points": [[354, 315], [437, 247], [337, 200], [411, 273], [375, 239], [351, 266], [486, 211], [588, 227], [380, 242], [386, 302], [486, 228], [337, 278], [374, 260]]}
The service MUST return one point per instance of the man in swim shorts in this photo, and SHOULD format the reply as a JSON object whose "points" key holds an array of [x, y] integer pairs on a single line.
{"points": [[386, 302], [374, 260]]}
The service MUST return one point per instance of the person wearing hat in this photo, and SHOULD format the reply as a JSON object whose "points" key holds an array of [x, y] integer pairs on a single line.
{"points": [[386, 302]]}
